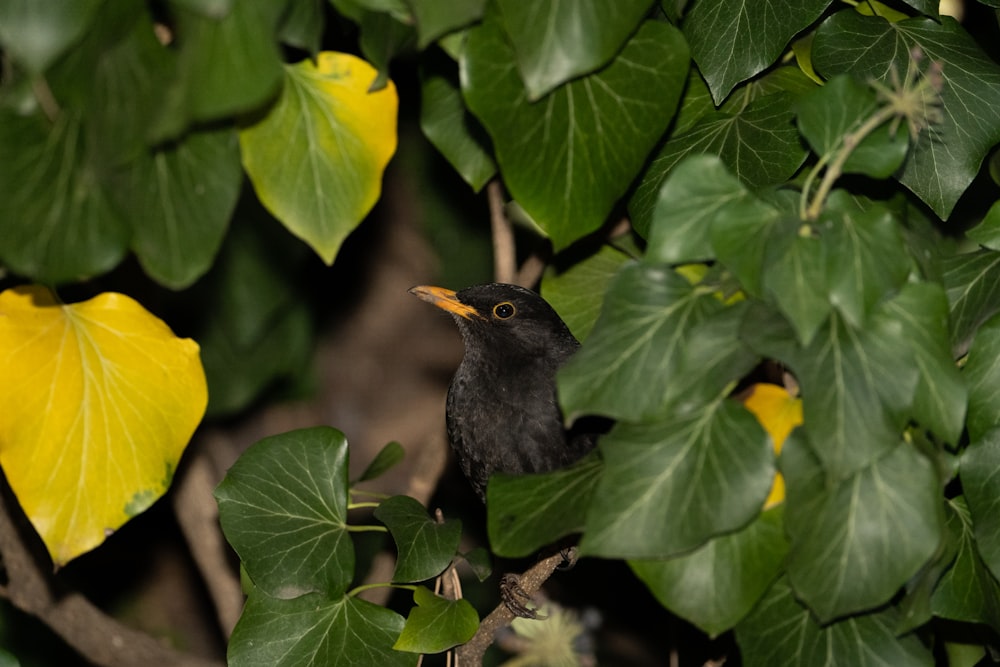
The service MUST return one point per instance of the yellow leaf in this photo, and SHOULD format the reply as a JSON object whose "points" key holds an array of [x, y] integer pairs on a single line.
{"points": [[778, 412], [97, 402], [316, 159]]}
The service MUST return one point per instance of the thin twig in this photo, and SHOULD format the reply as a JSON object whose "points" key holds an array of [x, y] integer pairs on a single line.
{"points": [[504, 249]]}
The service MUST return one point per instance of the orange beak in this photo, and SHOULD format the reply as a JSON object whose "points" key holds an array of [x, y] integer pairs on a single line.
{"points": [[444, 299]]}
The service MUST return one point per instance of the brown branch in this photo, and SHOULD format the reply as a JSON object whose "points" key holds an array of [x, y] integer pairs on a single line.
{"points": [[504, 249], [198, 518], [99, 638], [471, 653]]}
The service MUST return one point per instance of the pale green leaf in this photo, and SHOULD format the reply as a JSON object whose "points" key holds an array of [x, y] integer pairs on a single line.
{"points": [[316, 159], [856, 541], [716, 585], [712, 465], [436, 624]]}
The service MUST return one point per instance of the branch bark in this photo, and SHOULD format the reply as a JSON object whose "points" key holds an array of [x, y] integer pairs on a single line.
{"points": [[99, 638], [471, 653]]}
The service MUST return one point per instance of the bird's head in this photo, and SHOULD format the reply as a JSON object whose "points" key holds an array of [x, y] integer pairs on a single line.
{"points": [[500, 316]]}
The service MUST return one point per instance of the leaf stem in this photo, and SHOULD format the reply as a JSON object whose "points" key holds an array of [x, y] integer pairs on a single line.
{"points": [[836, 168], [357, 506], [367, 528]]}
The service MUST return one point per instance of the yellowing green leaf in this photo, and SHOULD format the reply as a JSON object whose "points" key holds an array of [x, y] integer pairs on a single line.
{"points": [[778, 412], [316, 159], [97, 402]]}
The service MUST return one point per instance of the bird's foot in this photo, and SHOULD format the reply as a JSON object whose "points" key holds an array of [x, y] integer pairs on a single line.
{"points": [[516, 599], [569, 557]]}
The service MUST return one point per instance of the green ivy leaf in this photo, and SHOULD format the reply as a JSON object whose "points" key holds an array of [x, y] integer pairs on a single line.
{"points": [[987, 232], [940, 400], [979, 470], [731, 40], [852, 413], [527, 512], [182, 197], [865, 256], [781, 632], [447, 123], [697, 191], [856, 541], [56, 217], [716, 585], [757, 141], [982, 377], [115, 79], [322, 180], [283, 508], [727, 52], [387, 457], [36, 33], [435, 19], [829, 113], [627, 367], [741, 235], [577, 293], [795, 279], [711, 465], [945, 159], [559, 40], [303, 24], [967, 591], [568, 157], [316, 630], [436, 624], [227, 64], [382, 37], [256, 315], [424, 547], [972, 283]]}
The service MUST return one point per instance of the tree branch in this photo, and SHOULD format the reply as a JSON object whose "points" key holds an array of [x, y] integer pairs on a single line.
{"points": [[99, 638], [471, 653], [504, 249]]}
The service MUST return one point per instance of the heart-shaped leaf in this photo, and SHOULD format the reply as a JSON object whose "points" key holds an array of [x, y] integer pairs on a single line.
{"points": [[719, 30], [436, 624], [856, 541], [568, 157], [424, 547], [945, 159], [717, 584], [868, 640], [712, 465], [638, 341], [316, 630], [528, 512], [321, 181], [107, 396], [558, 40], [283, 508]]}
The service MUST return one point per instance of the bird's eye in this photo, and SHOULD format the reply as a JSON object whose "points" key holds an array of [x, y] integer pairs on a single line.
{"points": [[504, 310]]}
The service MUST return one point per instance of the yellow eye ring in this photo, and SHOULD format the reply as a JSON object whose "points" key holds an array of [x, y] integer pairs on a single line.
{"points": [[504, 311]]}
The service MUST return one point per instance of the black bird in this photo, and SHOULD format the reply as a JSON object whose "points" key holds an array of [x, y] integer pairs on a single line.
{"points": [[502, 413]]}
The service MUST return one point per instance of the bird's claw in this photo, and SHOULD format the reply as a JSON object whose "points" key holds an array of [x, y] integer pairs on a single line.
{"points": [[516, 599]]}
